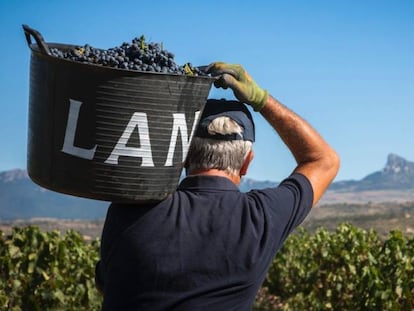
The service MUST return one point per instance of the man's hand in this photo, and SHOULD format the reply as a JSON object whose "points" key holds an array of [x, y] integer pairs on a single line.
{"points": [[235, 77]]}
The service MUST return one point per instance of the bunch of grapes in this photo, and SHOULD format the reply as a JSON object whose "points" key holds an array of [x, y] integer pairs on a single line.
{"points": [[137, 55]]}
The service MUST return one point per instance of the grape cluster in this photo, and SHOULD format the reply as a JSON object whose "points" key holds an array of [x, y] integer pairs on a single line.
{"points": [[137, 55]]}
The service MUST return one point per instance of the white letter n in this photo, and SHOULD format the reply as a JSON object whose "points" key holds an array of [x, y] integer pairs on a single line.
{"points": [[180, 125]]}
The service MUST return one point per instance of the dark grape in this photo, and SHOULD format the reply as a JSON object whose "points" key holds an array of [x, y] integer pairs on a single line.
{"points": [[135, 55]]}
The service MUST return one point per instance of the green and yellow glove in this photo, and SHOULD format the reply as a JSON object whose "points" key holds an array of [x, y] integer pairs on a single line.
{"points": [[244, 87]]}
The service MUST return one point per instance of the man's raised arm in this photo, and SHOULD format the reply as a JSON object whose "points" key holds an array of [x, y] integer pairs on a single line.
{"points": [[315, 158]]}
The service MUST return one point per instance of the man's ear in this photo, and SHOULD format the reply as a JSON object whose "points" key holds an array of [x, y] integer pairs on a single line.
{"points": [[249, 158]]}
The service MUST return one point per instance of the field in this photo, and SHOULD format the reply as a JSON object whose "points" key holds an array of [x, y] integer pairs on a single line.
{"points": [[382, 217], [353, 269]]}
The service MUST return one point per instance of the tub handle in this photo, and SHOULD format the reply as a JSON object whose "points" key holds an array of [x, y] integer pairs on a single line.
{"points": [[30, 32]]}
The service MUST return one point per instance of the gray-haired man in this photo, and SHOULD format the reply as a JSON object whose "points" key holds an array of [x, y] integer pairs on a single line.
{"points": [[208, 246]]}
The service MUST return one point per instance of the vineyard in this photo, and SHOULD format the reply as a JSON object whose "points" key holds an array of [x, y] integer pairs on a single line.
{"points": [[346, 269]]}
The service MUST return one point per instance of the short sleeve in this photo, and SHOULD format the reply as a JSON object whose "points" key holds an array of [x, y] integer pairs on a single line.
{"points": [[284, 207]]}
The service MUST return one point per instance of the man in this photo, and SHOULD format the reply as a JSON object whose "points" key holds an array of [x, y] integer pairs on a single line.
{"points": [[208, 246]]}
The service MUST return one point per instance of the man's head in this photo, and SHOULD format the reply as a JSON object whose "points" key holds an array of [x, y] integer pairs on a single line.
{"points": [[223, 139]]}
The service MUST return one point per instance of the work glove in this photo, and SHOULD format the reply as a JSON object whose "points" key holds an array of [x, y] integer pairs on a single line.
{"points": [[244, 87]]}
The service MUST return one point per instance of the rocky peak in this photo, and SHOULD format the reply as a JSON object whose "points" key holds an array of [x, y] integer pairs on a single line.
{"points": [[398, 174], [398, 165]]}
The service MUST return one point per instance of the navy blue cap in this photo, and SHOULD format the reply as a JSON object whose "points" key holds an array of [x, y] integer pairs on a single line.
{"points": [[232, 109]]}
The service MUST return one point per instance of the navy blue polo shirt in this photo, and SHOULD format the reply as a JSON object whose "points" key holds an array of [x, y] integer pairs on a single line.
{"points": [[206, 247]]}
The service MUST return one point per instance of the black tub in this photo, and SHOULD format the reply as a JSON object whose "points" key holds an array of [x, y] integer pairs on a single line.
{"points": [[104, 133]]}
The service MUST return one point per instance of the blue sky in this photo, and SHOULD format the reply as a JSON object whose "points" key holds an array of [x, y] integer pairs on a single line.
{"points": [[345, 66]]}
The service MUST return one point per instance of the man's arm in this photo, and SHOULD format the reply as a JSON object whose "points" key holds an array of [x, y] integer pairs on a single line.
{"points": [[314, 157]]}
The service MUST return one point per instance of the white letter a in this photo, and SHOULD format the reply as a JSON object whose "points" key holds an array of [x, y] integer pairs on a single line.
{"points": [[139, 119]]}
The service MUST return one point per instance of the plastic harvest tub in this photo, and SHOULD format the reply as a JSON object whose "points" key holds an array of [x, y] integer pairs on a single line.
{"points": [[105, 133]]}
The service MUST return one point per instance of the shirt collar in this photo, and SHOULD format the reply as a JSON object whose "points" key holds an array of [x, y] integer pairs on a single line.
{"points": [[197, 182]]}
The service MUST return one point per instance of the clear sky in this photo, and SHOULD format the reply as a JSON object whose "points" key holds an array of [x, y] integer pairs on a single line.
{"points": [[345, 66]]}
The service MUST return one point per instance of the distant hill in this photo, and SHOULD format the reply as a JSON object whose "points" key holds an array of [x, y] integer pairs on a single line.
{"points": [[398, 174], [20, 198], [247, 184]]}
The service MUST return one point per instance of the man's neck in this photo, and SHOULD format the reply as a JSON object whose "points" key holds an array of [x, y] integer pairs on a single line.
{"points": [[215, 172]]}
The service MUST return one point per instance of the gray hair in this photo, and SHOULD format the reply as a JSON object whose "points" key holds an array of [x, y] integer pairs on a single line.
{"points": [[225, 155]]}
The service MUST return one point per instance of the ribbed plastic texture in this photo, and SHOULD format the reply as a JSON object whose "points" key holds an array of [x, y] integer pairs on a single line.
{"points": [[106, 133]]}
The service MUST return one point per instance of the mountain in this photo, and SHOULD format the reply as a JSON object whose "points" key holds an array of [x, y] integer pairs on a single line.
{"points": [[398, 174], [247, 184], [20, 198]]}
